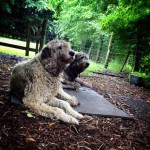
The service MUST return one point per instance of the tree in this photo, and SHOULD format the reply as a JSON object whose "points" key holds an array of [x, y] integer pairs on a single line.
{"points": [[78, 21], [129, 20], [91, 48], [99, 48], [25, 10]]}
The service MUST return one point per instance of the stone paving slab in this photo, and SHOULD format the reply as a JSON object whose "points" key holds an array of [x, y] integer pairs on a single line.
{"points": [[93, 103], [90, 103]]}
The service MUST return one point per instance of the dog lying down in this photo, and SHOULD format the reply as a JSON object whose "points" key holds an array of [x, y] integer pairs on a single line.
{"points": [[70, 76], [37, 83]]}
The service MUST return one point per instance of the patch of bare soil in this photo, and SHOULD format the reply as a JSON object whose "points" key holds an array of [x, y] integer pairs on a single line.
{"points": [[19, 131]]}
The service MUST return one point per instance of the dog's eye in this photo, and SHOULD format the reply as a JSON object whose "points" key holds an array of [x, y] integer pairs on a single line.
{"points": [[60, 47], [82, 57]]}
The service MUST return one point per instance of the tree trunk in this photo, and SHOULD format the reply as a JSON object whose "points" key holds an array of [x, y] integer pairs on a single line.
{"points": [[107, 59], [37, 41], [28, 39], [99, 49], [83, 46], [129, 52], [138, 49], [43, 34], [91, 48]]}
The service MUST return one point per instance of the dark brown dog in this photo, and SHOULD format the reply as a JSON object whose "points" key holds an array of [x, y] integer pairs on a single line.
{"points": [[73, 70]]}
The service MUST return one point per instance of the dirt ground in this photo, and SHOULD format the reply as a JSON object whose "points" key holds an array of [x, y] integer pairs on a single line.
{"points": [[19, 130]]}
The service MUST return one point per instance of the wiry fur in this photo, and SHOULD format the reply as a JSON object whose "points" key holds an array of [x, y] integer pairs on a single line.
{"points": [[73, 70], [37, 83]]}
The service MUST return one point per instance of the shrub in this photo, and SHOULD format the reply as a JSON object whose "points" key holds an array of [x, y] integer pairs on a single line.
{"points": [[145, 64]]}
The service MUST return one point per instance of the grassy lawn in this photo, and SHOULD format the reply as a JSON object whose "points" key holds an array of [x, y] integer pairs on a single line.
{"points": [[93, 67], [115, 67]]}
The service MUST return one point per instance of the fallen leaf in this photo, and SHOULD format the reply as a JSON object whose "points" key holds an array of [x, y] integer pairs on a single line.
{"points": [[30, 115], [30, 138]]}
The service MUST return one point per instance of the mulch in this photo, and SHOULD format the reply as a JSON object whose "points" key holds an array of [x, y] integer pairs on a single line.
{"points": [[18, 130]]}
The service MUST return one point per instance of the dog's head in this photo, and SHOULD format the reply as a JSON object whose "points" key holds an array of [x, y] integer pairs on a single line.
{"points": [[82, 60], [79, 64], [56, 55], [59, 51]]}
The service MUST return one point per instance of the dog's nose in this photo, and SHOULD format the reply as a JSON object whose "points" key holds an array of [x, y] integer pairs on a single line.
{"points": [[87, 64], [71, 53]]}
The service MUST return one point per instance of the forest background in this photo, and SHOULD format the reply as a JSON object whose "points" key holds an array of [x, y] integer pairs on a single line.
{"points": [[112, 32]]}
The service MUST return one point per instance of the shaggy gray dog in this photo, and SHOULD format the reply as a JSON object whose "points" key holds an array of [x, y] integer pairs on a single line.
{"points": [[37, 83], [73, 70]]}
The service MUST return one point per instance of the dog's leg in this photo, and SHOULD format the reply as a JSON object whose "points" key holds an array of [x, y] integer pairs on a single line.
{"points": [[65, 86], [82, 83], [48, 111], [70, 85], [65, 96], [66, 107]]}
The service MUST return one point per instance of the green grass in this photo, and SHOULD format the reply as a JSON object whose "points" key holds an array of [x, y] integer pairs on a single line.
{"points": [[16, 52], [128, 68], [114, 66], [93, 67]]}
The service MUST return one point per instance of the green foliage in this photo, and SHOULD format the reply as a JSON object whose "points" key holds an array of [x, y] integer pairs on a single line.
{"points": [[6, 6], [39, 4], [125, 14], [78, 21], [128, 68], [24, 10], [145, 78], [129, 20], [145, 64]]}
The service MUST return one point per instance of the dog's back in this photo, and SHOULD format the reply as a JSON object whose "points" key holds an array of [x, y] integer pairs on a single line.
{"points": [[19, 76]]}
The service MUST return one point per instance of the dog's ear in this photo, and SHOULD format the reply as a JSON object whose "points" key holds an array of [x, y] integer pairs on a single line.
{"points": [[46, 52], [76, 56]]}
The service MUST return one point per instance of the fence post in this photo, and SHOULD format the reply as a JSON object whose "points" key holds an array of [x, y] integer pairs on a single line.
{"points": [[99, 48], [125, 60], [107, 59], [37, 41], [43, 34], [91, 48], [28, 38]]}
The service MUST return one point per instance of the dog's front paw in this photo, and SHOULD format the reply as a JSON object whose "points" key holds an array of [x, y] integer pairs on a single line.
{"points": [[76, 85], [73, 101], [74, 121], [79, 116]]}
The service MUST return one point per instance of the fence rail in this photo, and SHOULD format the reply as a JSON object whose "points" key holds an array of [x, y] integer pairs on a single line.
{"points": [[39, 37]]}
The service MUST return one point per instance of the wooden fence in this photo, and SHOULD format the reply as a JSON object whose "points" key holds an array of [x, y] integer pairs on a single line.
{"points": [[39, 37]]}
